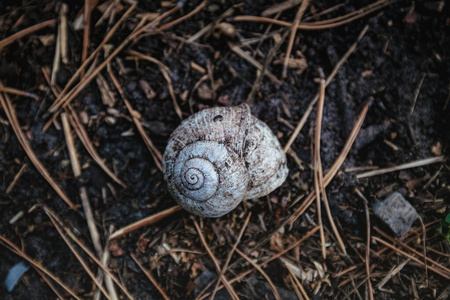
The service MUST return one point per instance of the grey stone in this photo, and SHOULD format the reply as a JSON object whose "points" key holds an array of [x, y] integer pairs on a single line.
{"points": [[396, 212]]}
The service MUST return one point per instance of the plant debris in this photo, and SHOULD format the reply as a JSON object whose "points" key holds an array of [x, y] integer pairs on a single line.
{"points": [[356, 92]]}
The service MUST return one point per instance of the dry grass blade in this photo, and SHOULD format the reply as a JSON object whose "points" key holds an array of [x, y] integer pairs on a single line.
{"points": [[21, 34], [354, 14], [166, 73], [183, 18], [210, 26], [65, 100], [272, 286], [301, 294], [351, 279], [294, 28], [18, 92], [150, 277], [49, 283], [330, 78], [152, 25], [49, 212], [57, 56], [11, 115], [230, 254], [316, 15], [409, 237], [82, 134], [80, 258], [16, 178], [335, 167], [64, 37], [318, 165], [84, 138], [404, 245], [318, 179], [438, 271], [157, 157], [366, 210], [413, 164], [93, 54], [392, 273], [147, 221], [280, 7], [76, 168], [87, 25], [11, 246], [331, 23], [327, 179], [216, 262], [273, 257], [259, 77], [254, 63], [109, 283]]}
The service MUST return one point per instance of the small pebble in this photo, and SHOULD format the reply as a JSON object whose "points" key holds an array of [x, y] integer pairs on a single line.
{"points": [[397, 213]]}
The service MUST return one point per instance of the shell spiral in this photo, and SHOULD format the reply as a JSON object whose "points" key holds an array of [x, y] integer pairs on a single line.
{"points": [[220, 156]]}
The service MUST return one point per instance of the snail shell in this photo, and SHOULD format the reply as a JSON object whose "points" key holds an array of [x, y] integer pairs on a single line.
{"points": [[220, 156]]}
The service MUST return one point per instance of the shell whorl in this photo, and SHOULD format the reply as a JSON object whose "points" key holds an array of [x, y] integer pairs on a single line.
{"points": [[220, 156]]}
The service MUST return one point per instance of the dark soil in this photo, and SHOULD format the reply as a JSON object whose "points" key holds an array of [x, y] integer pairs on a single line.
{"points": [[403, 44]]}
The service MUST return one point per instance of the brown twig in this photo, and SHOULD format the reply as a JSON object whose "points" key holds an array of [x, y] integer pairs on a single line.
{"points": [[392, 273], [147, 221], [329, 79], [12, 247], [16, 178], [259, 77], [366, 210], [166, 73], [83, 135], [63, 33], [150, 277], [157, 157], [216, 263], [273, 257], [64, 99], [254, 62], [441, 272], [318, 163], [318, 166], [11, 115], [49, 283], [93, 257], [331, 23], [18, 92], [86, 29], [84, 138], [210, 26], [280, 7], [57, 55], [413, 164], [293, 29], [21, 34], [260, 270], [424, 239], [230, 254], [336, 165], [80, 258], [301, 294], [416, 93], [404, 245], [183, 18], [76, 168]]}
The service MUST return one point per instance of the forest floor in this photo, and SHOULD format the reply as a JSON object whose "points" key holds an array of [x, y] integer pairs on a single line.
{"points": [[90, 95]]}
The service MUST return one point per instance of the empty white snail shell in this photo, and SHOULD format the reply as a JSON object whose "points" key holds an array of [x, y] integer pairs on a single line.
{"points": [[220, 156]]}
